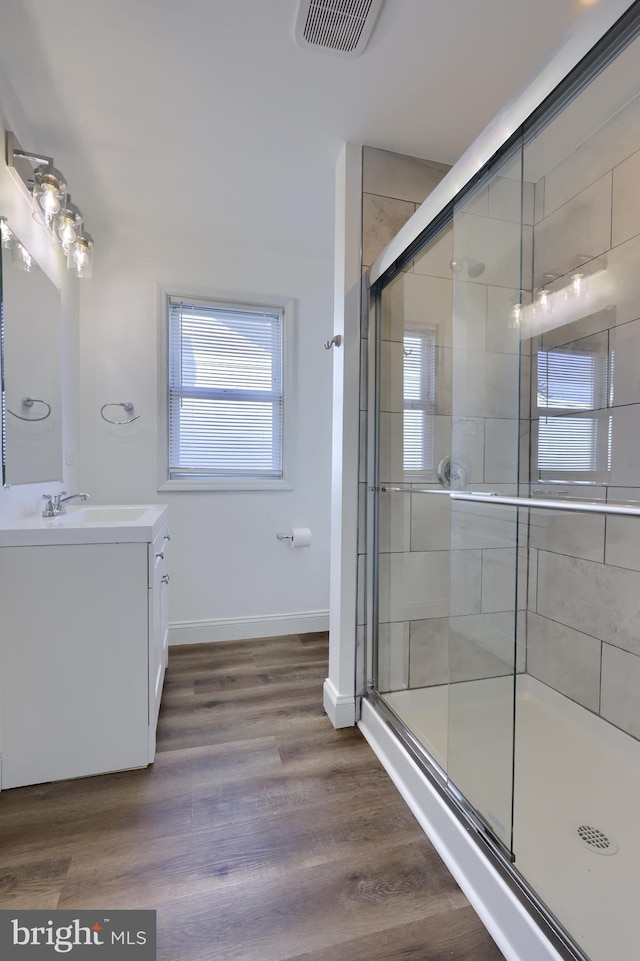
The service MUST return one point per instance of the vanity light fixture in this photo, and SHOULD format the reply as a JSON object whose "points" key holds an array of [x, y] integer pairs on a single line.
{"points": [[52, 206], [48, 193], [67, 225], [80, 256]]}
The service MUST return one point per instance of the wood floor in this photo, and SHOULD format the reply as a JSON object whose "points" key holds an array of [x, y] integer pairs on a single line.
{"points": [[259, 834]]}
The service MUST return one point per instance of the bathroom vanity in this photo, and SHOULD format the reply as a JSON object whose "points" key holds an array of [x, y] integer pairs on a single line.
{"points": [[83, 641]]}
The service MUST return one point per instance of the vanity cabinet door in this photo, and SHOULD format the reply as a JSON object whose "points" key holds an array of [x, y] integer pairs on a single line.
{"points": [[73, 660]]}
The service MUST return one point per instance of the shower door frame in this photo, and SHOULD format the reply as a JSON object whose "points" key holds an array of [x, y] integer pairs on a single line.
{"points": [[607, 33]]}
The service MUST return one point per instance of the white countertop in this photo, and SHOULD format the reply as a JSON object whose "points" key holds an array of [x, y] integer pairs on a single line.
{"points": [[87, 524]]}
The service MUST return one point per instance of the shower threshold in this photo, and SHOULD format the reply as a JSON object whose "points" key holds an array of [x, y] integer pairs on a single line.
{"points": [[576, 798]]}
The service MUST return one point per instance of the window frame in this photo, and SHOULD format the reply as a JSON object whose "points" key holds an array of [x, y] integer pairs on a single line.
{"points": [[601, 450], [228, 483], [428, 406]]}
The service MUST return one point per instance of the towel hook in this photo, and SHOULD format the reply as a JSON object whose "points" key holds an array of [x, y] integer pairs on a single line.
{"points": [[126, 405], [335, 341], [29, 402]]}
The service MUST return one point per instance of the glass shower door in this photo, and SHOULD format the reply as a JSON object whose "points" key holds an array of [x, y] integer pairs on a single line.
{"points": [[414, 430], [489, 237]]}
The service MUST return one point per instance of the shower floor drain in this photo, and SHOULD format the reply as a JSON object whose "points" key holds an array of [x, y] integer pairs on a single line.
{"points": [[596, 840]]}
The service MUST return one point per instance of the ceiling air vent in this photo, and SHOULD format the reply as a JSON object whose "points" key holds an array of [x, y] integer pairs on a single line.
{"points": [[338, 27]]}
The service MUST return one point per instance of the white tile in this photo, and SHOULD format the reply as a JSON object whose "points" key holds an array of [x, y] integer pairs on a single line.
{"points": [[414, 302], [501, 245], [625, 454], [429, 652], [599, 152], [501, 450], [393, 657], [396, 175], [624, 345], [469, 315], [466, 582], [499, 569], [416, 585], [626, 203], [382, 218], [532, 587], [485, 384], [565, 659], [467, 446], [482, 526], [620, 702], [391, 383], [597, 599], [577, 535], [481, 645], [391, 449], [430, 522], [623, 542], [581, 228], [435, 261], [502, 338], [394, 520], [511, 198], [538, 201]]}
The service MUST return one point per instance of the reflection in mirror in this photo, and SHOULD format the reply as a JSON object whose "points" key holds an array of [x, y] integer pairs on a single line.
{"points": [[31, 364]]}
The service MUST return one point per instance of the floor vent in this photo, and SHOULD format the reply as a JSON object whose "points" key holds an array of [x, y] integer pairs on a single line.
{"points": [[596, 840], [338, 27]]}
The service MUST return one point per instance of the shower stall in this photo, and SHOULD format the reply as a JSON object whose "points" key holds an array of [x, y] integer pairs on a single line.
{"points": [[503, 551]]}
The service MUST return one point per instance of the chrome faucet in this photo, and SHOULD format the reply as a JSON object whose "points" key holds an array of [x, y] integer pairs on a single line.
{"points": [[55, 503]]}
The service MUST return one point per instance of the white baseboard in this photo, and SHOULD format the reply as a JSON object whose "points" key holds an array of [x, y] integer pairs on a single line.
{"points": [[243, 628], [340, 708], [509, 924]]}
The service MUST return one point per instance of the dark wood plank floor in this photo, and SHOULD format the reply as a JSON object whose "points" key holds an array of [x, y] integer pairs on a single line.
{"points": [[260, 833]]}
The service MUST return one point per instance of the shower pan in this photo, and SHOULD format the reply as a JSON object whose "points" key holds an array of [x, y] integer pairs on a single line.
{"points": [[504, 636]]}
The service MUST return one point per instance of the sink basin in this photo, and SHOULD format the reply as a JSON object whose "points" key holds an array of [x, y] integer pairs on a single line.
{"points": [[99, 524], [107, 515]]}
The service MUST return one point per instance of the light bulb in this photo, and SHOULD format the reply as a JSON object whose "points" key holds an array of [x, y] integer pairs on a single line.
{"points": [[576, 283], [67, 235], [543, 300], [515, 318], [48, 201], [5, 234]]}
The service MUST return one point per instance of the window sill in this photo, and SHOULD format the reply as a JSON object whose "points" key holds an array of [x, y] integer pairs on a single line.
{"points": [[225, 485]]}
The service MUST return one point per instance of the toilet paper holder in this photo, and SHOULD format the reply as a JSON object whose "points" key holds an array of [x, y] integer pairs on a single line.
{"points": [[284, 537]]}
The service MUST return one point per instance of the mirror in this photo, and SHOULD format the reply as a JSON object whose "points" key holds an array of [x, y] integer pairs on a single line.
{"points": [[31, 367]]}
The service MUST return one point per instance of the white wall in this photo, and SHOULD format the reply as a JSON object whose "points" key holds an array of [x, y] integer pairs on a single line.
{"points": [[230, 576], [15, 205]]}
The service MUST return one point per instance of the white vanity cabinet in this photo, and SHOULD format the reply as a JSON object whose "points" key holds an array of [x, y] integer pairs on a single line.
{"points": [[83, 648]]}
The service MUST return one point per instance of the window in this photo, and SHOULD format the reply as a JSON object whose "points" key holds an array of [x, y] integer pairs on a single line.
{"points": [[572, 444], [226, 395], [419, 401]]}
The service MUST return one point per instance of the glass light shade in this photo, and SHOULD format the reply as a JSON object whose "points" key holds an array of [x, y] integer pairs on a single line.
{"points": [[49, 193], [67, 226], [6, 237], [21, 258], [80, 256]]}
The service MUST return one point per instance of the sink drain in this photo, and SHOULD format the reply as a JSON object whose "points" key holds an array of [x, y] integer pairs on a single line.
{"points": [[596, 840]]}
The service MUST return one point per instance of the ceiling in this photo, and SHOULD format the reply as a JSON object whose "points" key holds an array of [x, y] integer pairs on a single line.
{"points": [[203, 118]]}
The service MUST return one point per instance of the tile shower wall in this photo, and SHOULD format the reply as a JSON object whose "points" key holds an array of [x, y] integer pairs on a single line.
{"points": [[421, 582], [583, 621], [394, 186]]}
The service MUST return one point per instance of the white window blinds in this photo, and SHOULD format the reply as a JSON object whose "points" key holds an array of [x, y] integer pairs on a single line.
{"points": [[419, 382], [225, 390], [571, 382]]}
